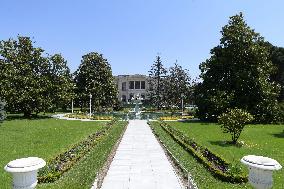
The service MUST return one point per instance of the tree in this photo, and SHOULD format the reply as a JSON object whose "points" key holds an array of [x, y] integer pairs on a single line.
{"points": [[177, 86], [24, 76], [94, 76], [2, 112], [156, 83], [277, 58], [30, 80], [62, 88], [233, 122], [238, 75]]}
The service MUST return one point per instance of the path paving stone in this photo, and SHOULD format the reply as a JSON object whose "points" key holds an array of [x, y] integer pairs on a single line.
{"points": [[140, 162]]}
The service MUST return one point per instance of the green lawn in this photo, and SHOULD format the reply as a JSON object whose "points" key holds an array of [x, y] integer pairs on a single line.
{"points": [[43, 138], [83, 174], [265, 140]]}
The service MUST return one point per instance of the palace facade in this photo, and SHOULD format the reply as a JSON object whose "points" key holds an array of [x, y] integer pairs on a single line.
{"points": [[131, 85]]}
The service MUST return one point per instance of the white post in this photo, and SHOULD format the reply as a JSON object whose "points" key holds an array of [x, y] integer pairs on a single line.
{"points": [[90, 106], [72, 107], [182, 95]]}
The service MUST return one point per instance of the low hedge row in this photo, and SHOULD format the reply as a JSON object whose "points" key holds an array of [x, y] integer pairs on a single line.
{"points": [[64, 161], [215, 164]]}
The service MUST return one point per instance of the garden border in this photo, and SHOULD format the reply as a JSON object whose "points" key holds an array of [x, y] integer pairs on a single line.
{"points": [[191, 146], [64, 161]]}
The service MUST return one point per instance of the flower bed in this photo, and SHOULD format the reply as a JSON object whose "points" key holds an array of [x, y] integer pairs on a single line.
{"points": [[84, 116], [218, 166], [64, 161], [175, 118]]}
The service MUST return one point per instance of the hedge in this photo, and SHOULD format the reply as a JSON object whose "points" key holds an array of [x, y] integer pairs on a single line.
{"points": [[64, 161], [215, 164]]}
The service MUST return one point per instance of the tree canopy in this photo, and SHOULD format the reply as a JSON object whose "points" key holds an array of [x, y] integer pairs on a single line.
{"points": [[178, 86], [237, 75], [28, 77], [94, 76]]}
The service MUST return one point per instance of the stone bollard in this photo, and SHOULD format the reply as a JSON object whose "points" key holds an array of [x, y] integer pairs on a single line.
{"points": [[24, 172], [260, 170]]}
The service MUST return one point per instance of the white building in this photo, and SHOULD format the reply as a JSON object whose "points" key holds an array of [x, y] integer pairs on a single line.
{"points": [[130, 85]]}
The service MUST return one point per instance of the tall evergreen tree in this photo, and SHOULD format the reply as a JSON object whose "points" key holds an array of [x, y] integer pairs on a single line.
{"points": [[94, 76], [238, 75], [156, 83]]}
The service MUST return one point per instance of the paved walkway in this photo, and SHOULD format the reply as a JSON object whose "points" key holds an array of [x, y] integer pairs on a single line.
{"points": [[140, 162]]}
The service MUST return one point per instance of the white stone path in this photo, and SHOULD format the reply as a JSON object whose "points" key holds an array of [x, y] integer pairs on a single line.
{"points": [[140, 162]]}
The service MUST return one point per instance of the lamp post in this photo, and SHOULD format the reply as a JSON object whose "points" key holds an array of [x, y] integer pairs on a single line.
{"points": [[182, 96], [72, 106], [90, 105]]}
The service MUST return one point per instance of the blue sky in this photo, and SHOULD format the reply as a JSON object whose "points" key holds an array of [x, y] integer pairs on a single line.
{"points": [[130, 33]]}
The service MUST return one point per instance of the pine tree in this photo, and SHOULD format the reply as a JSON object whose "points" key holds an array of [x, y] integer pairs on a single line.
{"points": [[156, 82]]}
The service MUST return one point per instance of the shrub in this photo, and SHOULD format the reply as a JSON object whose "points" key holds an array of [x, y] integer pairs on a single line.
{"points": [[234, 121]]}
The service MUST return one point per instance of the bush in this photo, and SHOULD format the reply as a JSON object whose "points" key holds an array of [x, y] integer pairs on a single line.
{"points": [[234, 121]]}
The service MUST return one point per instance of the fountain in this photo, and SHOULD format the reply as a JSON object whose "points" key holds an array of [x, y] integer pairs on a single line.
{"points": [[137, 100]]}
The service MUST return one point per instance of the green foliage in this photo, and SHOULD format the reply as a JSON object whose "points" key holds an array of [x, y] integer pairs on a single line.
{"points": [[277, 58], [238, 75], [31, 82], [234, 121], [156, 83], [2, 112], [62, 83], [178, 86], [94, 76]]}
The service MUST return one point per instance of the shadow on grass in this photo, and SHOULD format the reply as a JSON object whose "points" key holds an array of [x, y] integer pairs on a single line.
{"points": [[192, 121], [21, 117], [225, 143], [279, 135]]}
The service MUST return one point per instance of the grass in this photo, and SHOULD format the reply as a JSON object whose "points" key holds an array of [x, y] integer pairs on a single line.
{"points": [[82, 175], [266, 140], [43, 138], [262, 140]]}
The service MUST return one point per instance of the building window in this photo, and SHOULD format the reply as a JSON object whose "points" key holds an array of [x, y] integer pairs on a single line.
{"points": [[131, 84], [137, 84], [142, 84], [123, 87]]}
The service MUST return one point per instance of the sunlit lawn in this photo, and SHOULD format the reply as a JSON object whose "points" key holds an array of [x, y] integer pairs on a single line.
{"points": [[262, 140], [43, 138]]}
